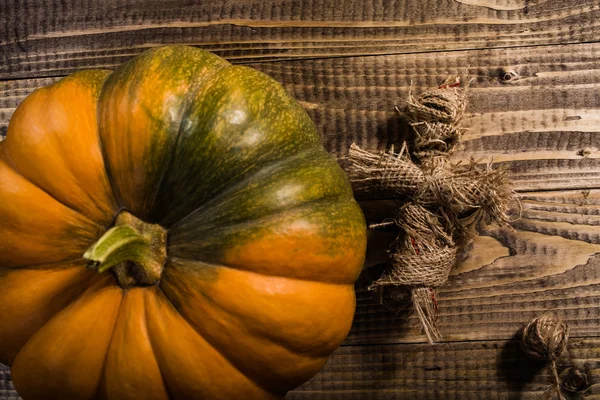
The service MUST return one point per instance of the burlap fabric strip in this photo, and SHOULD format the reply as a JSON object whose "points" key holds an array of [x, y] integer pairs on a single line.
{"points": [[437, 194]]}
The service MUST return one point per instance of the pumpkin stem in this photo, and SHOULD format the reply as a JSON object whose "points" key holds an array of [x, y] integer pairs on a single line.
{"points": [[135, 250]]}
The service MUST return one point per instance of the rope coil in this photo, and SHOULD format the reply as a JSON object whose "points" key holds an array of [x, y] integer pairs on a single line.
{"points": [[546, 338]]}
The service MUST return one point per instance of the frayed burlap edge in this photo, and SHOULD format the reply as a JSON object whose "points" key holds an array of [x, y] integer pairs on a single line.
{"points": [[437, 194]]}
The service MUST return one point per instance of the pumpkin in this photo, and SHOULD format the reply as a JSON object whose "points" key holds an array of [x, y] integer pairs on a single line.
{"points": [[171, 230]]}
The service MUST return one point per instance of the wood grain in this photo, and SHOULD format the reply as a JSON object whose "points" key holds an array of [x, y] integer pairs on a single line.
{"points": [[51, 38], [7, 390], [543, 123], [548, 262], [534, 107], [495, 370]]}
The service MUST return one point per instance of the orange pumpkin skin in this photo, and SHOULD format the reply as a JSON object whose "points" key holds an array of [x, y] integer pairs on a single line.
{"points": [[265, 239]]}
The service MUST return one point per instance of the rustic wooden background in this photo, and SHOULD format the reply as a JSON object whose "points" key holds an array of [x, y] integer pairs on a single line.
{"points": [[534, 107]]}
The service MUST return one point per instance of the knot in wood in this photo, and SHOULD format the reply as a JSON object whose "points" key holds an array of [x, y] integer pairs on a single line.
{"points": [[574, 380]]}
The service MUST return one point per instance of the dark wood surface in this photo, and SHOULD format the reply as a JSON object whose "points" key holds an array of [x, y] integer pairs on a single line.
{"points": [[534, 108], [51, 37], [450, 371]]}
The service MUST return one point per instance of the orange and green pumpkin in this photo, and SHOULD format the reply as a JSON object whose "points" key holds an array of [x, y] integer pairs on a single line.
{"points": [[231, 236]]}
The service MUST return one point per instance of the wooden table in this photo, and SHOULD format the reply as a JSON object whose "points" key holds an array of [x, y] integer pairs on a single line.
{"points": [[534, 107]]}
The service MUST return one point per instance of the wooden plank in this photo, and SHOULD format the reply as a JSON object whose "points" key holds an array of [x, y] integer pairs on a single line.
{"points": [[535, 107], [537, 123], [495, 370], [49, 38], [543, 123], [548, 263], [7, 390]]}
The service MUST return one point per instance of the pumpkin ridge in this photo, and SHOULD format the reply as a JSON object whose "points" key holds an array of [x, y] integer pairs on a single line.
{"points": [[229, 326], [233, 185], [223, 265], [187, 104], [153, 346], [236, 116], [305, 205], [84, 217], [169, 303], [273, 338], [93, 199], [81, 279], [71, 232], [213, 232], [132, 366], [140, 112], [218, 349], [102, 382], [103, 154], [41, 264], [100, 284], [73, 134]]}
